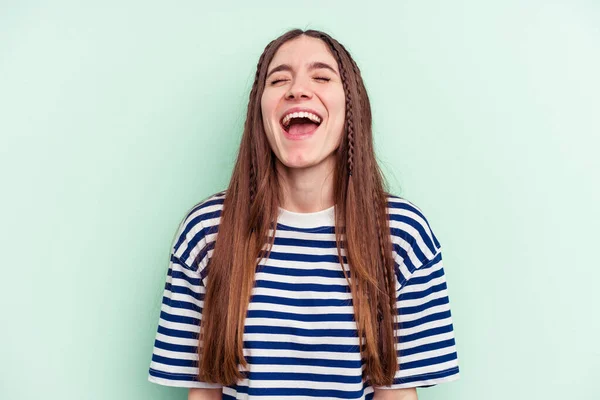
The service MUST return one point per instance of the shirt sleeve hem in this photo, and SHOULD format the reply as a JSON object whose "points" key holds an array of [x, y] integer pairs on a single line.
{"points": [[183, 383], [426, 380]]}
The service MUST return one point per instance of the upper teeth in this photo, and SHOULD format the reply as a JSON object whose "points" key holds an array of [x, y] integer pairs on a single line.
{"points": [[302, 114]]}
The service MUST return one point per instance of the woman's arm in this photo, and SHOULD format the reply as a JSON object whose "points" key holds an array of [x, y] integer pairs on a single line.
{"points": [[206, 394], [396, 394]]}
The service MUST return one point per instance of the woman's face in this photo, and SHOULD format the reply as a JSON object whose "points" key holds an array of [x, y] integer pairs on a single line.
{"points": [[303, 77]]}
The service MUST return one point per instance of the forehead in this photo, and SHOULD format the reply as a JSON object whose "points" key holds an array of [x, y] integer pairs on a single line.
{"points": [[302, 51]]}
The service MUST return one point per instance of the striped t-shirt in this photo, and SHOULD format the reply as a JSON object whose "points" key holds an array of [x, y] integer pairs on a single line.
{"points": [[300, 337]]}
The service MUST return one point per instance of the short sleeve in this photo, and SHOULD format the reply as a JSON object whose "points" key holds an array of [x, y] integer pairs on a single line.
{"points": [[174, 357], [426, 346]]}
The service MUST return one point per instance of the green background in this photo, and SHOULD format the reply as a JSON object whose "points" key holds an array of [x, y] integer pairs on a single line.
{"points": [[118, 116]]}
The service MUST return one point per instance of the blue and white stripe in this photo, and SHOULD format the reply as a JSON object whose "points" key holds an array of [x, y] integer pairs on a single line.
{"points": [[300, 338]]}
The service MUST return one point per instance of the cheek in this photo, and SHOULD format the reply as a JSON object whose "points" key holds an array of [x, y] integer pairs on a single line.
{"points": [[264, 108], [338, 114], [268, 104], [269, 99]]}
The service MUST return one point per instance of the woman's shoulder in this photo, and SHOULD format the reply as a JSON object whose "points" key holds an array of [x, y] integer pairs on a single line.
{"points": [[204, 214], [205, 210], [400, 208], [197, 231], [412, 236]]}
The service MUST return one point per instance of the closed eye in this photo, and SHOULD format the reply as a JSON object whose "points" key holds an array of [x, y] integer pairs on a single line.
{"points": [[318, 78]]}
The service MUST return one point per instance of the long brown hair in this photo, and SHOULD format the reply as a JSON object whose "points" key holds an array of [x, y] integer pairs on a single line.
{"points": [[250, 210]]}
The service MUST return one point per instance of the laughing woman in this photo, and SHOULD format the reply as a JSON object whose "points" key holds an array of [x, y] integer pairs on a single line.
{"points": [[305, 278]]}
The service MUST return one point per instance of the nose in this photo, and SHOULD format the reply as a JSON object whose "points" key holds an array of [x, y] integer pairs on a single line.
{"points": [[298, 90]]}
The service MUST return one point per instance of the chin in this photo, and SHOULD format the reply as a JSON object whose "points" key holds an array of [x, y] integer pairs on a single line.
{"points": [[304, 159], [298, 164], [297, 161]]}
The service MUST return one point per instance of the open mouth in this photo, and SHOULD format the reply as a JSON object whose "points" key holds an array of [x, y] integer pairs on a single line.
{"points": [[300, 123]]}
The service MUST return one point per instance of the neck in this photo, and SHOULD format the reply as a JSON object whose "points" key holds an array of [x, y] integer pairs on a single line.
{"points": [[306, 190]]}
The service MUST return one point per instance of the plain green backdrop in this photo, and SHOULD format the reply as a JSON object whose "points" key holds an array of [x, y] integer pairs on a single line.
{"points": [[118, 116]]}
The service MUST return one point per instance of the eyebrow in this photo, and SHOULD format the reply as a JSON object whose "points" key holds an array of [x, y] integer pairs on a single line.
{"points": [[311, 66]]}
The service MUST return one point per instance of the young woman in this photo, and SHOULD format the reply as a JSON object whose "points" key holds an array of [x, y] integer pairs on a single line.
{"points": [[305, 278]]}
